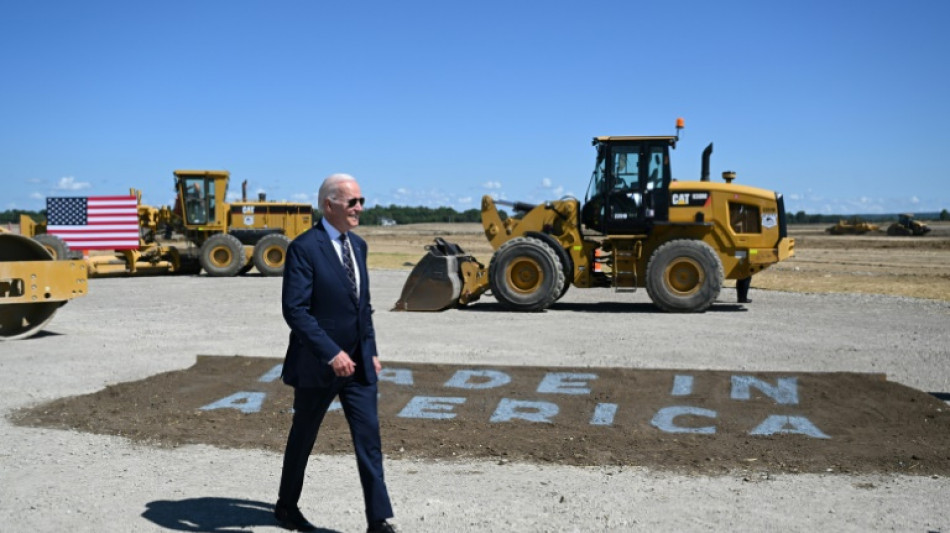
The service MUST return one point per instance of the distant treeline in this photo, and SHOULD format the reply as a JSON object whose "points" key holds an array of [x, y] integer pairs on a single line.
{"points": [[379, 215], [802, 217], [395, 214], [12, 216]]}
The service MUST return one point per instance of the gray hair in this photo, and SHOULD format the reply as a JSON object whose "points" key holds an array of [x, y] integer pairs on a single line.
{"points": [[331, 187]]}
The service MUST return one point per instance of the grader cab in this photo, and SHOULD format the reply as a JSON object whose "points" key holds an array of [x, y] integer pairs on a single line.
{"points": [[637, 228]]}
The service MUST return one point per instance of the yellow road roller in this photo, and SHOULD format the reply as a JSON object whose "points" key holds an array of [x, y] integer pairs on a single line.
{"points": [[33, 285]]}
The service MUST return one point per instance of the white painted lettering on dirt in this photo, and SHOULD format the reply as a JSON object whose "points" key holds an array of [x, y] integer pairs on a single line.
{"points": [[509, 410], [672, 419], [272, 374], [478, 379], [399, 376], [566, 383], [604, 414], [431, 407], [785, 390], [665, 420], [682, 385], [777, 424], [246, 402]]}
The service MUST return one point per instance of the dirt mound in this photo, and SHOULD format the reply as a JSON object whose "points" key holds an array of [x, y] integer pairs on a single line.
{"points": [[702, 421]]}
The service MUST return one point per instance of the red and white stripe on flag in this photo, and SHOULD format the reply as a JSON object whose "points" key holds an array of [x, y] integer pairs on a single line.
{"points": [[94, 222]]}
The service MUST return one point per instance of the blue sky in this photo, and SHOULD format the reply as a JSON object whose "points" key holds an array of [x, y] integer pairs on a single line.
{"points": [[842, 106]]}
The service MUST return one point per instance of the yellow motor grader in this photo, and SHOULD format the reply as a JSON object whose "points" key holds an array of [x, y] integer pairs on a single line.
{"points": [[852, 227], [637, 228], [234, 237], [225, 239], [33, 285]]}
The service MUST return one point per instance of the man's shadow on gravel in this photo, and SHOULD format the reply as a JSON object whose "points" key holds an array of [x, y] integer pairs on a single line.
{"points": [[213, 515]]}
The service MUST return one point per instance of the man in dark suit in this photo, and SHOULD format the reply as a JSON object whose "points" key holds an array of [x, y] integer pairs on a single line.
{"points": [[332, 351]]}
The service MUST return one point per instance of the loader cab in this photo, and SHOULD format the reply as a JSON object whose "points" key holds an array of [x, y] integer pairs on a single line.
{"points": [[629, 188], [199, 194]]}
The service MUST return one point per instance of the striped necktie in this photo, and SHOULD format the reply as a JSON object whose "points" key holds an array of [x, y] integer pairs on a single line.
{"points": [[348, 261]]}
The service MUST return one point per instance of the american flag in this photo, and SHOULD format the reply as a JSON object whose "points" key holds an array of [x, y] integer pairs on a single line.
{"points": [[94, 222]]}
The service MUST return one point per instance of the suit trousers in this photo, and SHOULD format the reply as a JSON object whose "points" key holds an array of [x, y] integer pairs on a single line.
{"points": [[359, 401]]}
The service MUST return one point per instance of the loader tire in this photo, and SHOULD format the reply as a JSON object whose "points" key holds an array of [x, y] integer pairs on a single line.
{"points": [[525, 274], [56, 246], [684, 276], [270, 253], [567, 264], [222, 255]]}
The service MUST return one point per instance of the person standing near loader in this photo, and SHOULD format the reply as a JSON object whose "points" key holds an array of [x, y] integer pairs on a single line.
{"points": [[742, 290], [332, 351]]}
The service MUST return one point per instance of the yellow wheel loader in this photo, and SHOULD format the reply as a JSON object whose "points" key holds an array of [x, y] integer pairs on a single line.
{"points": [[637, 228], [33, 285]]}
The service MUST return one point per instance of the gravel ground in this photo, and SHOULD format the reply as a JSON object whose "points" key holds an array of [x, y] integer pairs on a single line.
{"points": [[129, 329]]}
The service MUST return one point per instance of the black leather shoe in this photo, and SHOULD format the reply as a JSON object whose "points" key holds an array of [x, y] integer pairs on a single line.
{"points": [[381, 527], [291, 518], [745, 301]]}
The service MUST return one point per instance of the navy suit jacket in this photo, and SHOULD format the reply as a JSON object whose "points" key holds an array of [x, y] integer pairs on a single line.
{"points": [[323, 313]]}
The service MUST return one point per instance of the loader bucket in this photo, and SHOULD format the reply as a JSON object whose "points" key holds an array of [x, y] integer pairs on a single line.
{"points": [[434, 284]]}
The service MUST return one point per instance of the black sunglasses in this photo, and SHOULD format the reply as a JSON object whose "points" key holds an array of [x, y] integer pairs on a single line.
{"points": [[353, 201]]}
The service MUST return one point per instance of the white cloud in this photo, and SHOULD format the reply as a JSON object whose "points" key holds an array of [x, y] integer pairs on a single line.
{"points": [[492, 185], [69, 183], [411, 197], [546, 183]]}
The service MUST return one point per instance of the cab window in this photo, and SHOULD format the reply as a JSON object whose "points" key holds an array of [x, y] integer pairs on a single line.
{"points": [[196, 201], [626, 170], [656, 170], [744, 218], [592, 214]]}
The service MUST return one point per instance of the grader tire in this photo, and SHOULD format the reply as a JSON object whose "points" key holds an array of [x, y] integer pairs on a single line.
{"points": [[684, 276], [270, 253], [222, 255], [53, 244], [525, 274]]}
